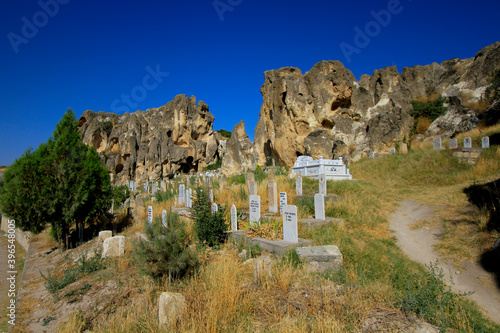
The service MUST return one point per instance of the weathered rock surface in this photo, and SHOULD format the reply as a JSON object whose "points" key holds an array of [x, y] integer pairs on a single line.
{"points": [[113, 247], [326, 112], [321, 258], [170, 307], [238, 154], [156, 143]]}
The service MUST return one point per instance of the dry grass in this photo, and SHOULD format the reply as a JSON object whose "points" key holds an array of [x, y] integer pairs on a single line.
{"points": [[422, 125]]}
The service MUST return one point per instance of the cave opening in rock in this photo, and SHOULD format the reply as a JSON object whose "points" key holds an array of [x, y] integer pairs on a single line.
{"points": [[119, 168]]}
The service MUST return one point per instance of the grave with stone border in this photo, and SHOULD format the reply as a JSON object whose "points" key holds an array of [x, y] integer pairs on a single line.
{"points": [[306, 166]]}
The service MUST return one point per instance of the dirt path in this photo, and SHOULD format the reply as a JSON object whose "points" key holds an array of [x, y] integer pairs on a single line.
{"points": [[418, 245]]}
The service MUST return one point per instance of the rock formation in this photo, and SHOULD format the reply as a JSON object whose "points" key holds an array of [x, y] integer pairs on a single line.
{"points": [[156, 143], [238, 156], [326, 112]]}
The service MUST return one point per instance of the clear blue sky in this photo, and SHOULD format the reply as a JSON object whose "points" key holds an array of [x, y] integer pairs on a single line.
{"points": [[87, 54]]}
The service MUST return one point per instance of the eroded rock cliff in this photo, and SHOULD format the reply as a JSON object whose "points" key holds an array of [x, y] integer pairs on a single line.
{"points": [[156, 143]]}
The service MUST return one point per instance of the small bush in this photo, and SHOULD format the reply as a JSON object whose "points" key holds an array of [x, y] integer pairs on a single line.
{"points": [[238, 179], [431, 109], [210, 227], [259, 174], [120, 194], [166, 251], [164, 196], [214, 166]]}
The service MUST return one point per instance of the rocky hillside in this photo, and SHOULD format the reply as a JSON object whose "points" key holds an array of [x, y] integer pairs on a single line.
{"points": [[326, 112], [156, 143]]}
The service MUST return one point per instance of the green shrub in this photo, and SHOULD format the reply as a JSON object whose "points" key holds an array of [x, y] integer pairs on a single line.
{"points": [[120, 194], [259, 174], [214, 166], [304, 204], [166, 251], [164, 196], [238, 179], [224, 133], [210, 227], [431, 109]]}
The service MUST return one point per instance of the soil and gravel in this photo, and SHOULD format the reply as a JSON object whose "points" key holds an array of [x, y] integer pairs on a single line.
{"points": [[419, 246]]}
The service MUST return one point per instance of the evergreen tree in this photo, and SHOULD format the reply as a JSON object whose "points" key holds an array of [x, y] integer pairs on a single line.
{"points": [[63, 183], [210, 227]]}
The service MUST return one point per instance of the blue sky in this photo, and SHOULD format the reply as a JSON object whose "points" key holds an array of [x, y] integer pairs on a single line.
{"points": [[86, 55]]}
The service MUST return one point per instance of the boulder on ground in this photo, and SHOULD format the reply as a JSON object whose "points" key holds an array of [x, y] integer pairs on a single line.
{"points": [[170, 307], [103, 235], [113, 247]]}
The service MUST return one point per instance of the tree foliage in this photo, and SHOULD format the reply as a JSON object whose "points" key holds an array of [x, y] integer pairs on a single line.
{"points": [[210, 227], [62, 183], [166, 251], [431, 109]]}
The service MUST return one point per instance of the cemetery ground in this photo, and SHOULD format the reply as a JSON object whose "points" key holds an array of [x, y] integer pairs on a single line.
{"points": [[378, 289]]}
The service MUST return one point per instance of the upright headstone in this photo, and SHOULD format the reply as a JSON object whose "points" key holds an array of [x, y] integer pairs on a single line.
{"points": [[485, 141], [254, 209], [319, 207], [234, 218], [182, 194], [404, 148], [215, 209], [437, 143], [393, 151], [150, 214], [372, 155], [189, 198], [164, 218], [222, 183], [322, 184], [453, 144], [467, 142], [112, 210], [211, 195], [283, 201], [290, 225], [171, 191], [131, 185], [186, 198], [272, 191], [253, 188], [298, 185], [163, 186]]}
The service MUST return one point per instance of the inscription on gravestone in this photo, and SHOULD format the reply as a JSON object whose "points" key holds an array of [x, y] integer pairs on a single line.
{"points": [[467, 142], [150, 214], [215, 209], [254, 209], [273, 196], [485, 142], [298, 185], [182, 194], [234, 218], [283, 201], [290, 225]]}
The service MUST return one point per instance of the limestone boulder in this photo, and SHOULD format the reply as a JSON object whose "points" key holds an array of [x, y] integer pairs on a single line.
{"points": [[113, 247], [238, 155], [171, 306]]}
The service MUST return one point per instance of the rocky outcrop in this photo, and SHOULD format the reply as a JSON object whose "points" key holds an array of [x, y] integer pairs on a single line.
{"points": [[238, 153], [156, 143], [326, 112]]}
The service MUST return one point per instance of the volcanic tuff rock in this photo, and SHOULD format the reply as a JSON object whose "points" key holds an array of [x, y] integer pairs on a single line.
{"points": [[238, 155], [177, 137]]}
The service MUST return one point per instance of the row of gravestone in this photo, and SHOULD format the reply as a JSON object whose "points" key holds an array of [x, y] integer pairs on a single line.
{"points": [[453, 143]]}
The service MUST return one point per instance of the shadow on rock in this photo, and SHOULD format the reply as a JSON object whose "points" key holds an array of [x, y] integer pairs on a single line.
{"points": [[487, 196]]}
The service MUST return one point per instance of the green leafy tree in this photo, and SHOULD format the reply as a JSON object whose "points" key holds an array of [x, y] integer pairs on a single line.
{"points": [[63, 183], [210, 227], [165, 252], [120, 194]]}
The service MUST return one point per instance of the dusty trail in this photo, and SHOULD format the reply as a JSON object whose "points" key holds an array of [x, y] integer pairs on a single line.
{"points": [[418, 245]]}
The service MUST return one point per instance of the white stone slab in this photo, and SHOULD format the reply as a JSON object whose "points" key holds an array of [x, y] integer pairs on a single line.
{"points": [[290, 224], [283, 201], [319, 207], [182, 194], [453, 144], [485, 142], [254, 208], [322, 184], [164, 218], [437, 144], [150, 214], [298, 185], [113, 247], [215, 209], [253, 188], [234, 218], [467, 142]]}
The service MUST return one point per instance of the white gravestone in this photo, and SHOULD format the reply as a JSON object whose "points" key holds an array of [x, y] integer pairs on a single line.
{"points": [[273, 196], [485, 142], [372, 155], [190, 198], [234, 218], [283, 201], [211, 195], [164, 218], [468, 142], [215, 209], [298, 185], [150, 214], [437, 144], [393, 151], [131, 185], [253, 188], [322, 184], [254, 209], [453, 144], [182, 194], [319, 207], [290, 225]]}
